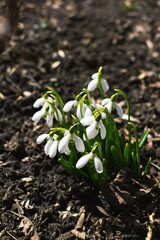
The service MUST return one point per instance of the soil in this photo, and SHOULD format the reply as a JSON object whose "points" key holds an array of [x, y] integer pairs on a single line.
{"points": [[61, 44]]}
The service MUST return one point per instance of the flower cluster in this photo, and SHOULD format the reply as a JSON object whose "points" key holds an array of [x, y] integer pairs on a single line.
{"points": [[85, 135], [47, 111]]}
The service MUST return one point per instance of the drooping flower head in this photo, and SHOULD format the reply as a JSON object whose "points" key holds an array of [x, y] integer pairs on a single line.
{"points": [[90, 156], [110, 105], [46, 111], [69, 135], [96, 79], [51, 145], [95, 125]]}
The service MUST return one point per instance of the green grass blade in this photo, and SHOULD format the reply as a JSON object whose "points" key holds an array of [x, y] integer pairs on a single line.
{"points": [[143, 139]]}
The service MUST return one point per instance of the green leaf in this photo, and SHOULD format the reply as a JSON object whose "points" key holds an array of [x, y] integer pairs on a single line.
{"points": [[122, 93], [147, 167], [116, 156], [66, 165], [143, 138], [126, 153]]}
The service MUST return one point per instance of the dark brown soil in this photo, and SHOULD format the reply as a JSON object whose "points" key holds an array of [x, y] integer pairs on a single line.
{"points": [[61, 44]]}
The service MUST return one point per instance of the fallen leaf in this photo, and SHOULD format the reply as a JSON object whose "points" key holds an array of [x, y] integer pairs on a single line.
{"points": [[28, 229]]}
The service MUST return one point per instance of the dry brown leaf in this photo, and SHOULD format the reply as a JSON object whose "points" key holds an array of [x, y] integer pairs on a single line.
{"points": [[28, 229]]}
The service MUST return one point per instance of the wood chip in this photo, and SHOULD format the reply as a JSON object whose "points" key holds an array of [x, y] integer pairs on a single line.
{"points": [[61, 53], [149, 44], [81, 219], [80, 235], [55, 64], [2, 96], [27, 179]]}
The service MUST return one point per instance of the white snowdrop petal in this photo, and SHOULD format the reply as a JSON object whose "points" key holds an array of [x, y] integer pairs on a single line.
{"points": [[41, 138], [50, 99], [49, 120], [79, 144], [105, 85], [47, 146], [119, 110], [92, 85], [93, 103], [88, 120], [38, 115], [63, 144], [55, 136], [92, 131], [58, 115], [85, 111], [88, 112], [66, 133], [79, 112], [94, 75], [67, 150], [46, 105], [67, 107], [105, 101], [109, 106], [98, 164], [103, 115], [39, 102], [53, 149], [84, 137], [102, 130], [83, 160]]}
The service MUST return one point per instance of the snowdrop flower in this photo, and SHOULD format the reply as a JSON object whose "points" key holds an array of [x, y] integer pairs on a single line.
{"points": [[58, 115], [81, 111], [64, 142], [51, 145], [38, 115], [46, 108], [90, 156], [42, 137], [46, 111], [94, 127], [39, 102], [48, 146], [68, 106], [93, 84], [109, 104]]}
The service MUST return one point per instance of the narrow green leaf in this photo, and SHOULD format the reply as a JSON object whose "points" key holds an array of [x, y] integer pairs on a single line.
{"points": [[116, 156], [147, 167], [126, 153], [143, 138], [66, 165]]}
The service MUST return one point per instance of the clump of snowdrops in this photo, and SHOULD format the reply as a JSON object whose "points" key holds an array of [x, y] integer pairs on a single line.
{"points": [[83, 133]]}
